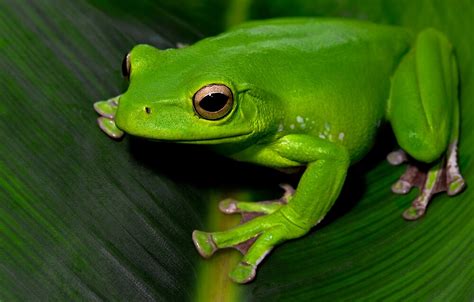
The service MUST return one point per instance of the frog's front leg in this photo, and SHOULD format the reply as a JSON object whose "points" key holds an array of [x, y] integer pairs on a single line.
{"points": [[327, 165], [107, 110]]}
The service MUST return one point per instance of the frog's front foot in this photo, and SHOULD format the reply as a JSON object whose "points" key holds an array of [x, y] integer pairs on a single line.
{"points": [[106, 121], [264, 227], [444, 176]]}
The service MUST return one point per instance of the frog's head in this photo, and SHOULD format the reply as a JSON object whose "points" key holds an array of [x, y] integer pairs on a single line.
{"points": [[184, 95]]}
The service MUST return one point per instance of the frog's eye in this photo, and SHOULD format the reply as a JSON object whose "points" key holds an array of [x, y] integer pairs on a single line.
{"points": [[213, 102], [126, 66]]}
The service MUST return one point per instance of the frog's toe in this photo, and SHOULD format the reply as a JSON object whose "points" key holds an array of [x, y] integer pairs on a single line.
{"points": [[401, 187], [397, 157], [259, 248], [109, 127], [250, 209], [413, 213], [456, 186], [204, 243], [104, 109], [229, 206], [289, 192], [454, 178], [243, 273], [107, 108], [412, 177]]}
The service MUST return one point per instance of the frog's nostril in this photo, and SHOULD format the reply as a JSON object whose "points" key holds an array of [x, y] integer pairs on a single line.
{"points": [[148, 110]]}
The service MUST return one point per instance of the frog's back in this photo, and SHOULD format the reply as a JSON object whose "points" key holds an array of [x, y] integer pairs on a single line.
{"points": [[309, 33], [332, 73]]}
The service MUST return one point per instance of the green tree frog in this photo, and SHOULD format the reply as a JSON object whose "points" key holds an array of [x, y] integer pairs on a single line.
{"points": [[287, 93]]}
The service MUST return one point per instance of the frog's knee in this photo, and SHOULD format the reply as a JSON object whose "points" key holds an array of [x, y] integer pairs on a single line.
{"points": [[426, 148]]}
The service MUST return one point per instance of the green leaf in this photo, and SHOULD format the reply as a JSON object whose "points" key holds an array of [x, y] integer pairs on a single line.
{"points": [[83, 217]]}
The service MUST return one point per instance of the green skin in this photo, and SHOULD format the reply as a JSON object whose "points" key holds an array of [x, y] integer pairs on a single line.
{"points": [[307, 92]]}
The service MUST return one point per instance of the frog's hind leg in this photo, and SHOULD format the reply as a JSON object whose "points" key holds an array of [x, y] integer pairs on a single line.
{"points": [[424, 113]]}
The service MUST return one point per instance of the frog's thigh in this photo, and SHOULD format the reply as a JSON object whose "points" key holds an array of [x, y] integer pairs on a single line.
{"points": [[423, 98]]}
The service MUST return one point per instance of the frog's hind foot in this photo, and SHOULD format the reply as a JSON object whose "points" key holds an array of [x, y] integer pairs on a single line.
{"points": [[107, 110], [444, 176]]}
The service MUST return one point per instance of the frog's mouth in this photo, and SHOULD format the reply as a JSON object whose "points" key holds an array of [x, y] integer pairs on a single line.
{"points": [[178, 137], [213, 140]]}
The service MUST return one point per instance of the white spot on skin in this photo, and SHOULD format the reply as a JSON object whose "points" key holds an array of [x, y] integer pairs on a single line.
{"points": [[299, 119], [292, 126], [327, 126], [303, 126], [322, 136], [280, 128], [341, 136]]}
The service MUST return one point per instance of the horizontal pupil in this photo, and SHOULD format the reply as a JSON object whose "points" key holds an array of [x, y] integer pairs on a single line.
{"points": [[214, 102]]}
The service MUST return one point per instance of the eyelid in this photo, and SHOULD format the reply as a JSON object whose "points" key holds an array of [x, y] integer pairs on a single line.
{"points": [[126, 66], [212, 88]]}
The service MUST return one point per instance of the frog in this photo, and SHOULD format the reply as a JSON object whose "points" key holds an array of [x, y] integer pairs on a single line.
{"points": [[298, 93]]}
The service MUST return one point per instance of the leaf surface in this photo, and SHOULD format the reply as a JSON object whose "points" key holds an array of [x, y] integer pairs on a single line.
{"points": [[86, 218]]}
